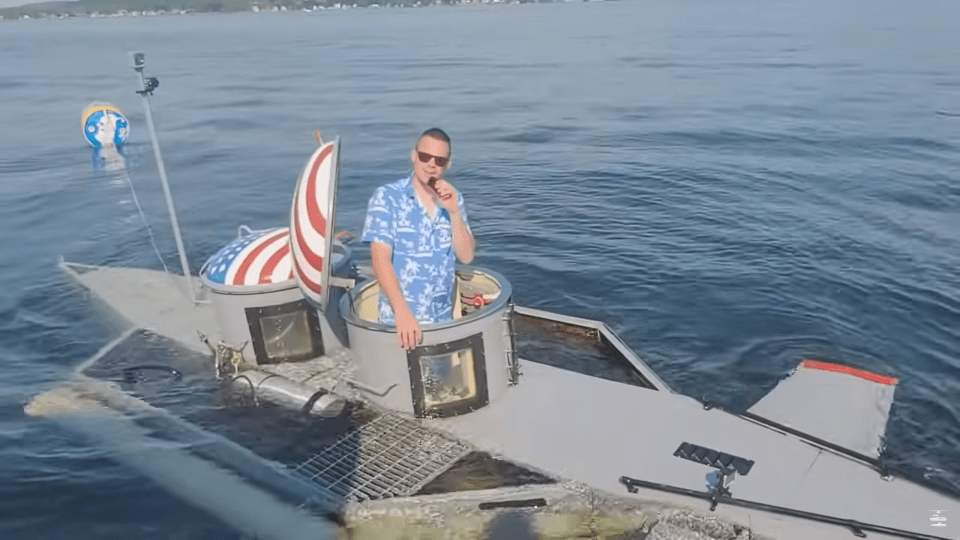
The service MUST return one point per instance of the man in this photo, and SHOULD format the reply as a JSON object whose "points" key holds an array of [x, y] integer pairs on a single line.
{"points": [[416, 226]]}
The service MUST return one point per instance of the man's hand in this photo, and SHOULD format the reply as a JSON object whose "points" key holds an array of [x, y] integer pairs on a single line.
{"points": [[446, 196], [408, 329]]}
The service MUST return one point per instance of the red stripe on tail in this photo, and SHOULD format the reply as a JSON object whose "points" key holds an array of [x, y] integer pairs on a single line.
{"points": [[838, 368]]}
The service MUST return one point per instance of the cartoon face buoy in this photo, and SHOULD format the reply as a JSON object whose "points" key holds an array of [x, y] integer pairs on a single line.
{"points": [[104, 125]]}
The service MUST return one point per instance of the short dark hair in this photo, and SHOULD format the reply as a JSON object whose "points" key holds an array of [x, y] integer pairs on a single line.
{"points": [[436, 133]]}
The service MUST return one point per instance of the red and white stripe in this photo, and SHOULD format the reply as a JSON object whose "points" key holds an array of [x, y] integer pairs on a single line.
{"points": [[840, 368], [266, 260], [309, 221]]}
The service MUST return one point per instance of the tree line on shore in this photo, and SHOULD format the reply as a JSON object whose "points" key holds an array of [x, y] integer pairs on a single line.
{"points": [[88, 8]]}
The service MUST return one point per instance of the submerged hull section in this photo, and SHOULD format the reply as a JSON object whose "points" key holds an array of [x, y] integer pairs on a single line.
{"points": [[149, 299], [217, 489], [581, 430]]}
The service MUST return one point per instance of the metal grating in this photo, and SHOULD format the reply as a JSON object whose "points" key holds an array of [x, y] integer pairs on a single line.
{"points": [[391, 456]]}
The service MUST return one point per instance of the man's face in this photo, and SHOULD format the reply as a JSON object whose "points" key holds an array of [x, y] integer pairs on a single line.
{"points": [[431, 149]]}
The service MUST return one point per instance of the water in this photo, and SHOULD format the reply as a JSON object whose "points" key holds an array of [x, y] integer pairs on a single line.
{"points": [[732, 186]]}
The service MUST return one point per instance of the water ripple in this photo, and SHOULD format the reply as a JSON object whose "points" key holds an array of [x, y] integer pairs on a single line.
{"points": [[730, 200]]}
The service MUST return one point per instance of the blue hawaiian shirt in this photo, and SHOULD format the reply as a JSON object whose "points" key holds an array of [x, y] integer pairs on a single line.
{"points": [[423, 257]]}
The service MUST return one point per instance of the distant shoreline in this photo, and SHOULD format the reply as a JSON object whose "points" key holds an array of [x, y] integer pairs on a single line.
{"points": [[94, 9]]}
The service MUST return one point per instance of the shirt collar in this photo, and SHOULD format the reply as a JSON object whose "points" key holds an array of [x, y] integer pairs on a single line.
{"points": [[408, 192]]}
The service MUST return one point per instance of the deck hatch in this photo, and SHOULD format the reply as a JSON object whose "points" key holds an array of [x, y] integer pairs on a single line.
{"points": [[713, 458], [390, 456]]}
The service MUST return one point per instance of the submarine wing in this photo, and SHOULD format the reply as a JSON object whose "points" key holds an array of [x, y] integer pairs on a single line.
{"points": [[839, 404]]}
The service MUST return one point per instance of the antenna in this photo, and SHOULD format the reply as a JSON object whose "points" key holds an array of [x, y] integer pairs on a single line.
{"points": [[147, 86]]}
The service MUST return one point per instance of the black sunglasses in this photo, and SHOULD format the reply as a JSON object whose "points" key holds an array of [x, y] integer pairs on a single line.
{"points": [[425, 158]]}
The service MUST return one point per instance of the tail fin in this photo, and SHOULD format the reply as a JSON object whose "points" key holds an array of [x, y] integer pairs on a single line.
{"points": [[846, 406]]}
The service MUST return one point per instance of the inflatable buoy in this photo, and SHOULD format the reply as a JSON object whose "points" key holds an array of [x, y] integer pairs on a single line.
{"points": [[104, 125]]}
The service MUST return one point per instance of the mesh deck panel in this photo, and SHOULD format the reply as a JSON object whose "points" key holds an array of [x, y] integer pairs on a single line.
{"points": [[390, 456]]}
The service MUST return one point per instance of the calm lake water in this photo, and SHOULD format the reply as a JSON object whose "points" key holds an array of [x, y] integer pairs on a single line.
{"points": [[732, 186]]}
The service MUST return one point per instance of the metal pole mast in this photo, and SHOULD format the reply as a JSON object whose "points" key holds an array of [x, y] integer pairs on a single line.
{"points": [[147, 86]]}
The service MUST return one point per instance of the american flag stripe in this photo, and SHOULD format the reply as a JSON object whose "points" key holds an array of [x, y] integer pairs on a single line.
{"points": [[261, 257], [306, 282], [272, 269], [314, 261], [262, 248], [317, 219], [307, 264], [308, 241], [262, 261], [284, 270]]}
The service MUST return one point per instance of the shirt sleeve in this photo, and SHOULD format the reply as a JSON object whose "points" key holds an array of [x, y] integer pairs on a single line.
{"points": [[379, 225]]}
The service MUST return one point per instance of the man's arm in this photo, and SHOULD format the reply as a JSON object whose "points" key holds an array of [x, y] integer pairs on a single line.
{"points": [[379, 230], [463, 242], [408, 329]]}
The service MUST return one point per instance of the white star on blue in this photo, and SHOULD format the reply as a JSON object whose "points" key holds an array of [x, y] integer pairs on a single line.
{"points": [[219, 264]]}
